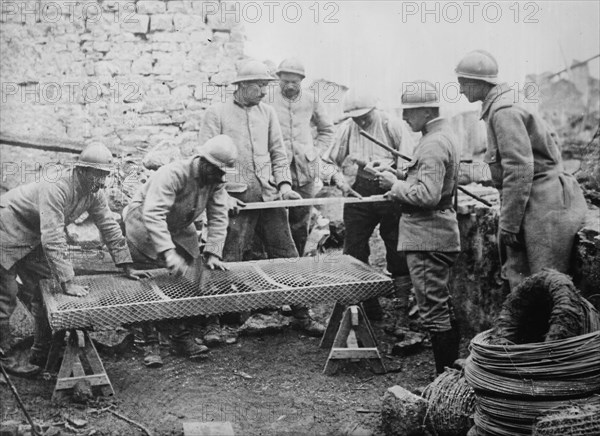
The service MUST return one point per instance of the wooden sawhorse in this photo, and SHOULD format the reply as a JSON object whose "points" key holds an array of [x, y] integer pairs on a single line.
{"points": [[350, 336], [80, 362]]}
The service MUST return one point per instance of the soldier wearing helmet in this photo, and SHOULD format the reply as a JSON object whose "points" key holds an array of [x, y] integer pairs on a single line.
{"points": [[264, 168], [34, 246], [542, 207], [360, 220], [298, 110], [428, 231], [159, 224]]}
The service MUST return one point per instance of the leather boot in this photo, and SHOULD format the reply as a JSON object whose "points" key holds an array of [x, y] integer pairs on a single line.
{"points": [[402, 288], [212, 334], [151, 346], [445, 348], [303, 321], [373, 309], [185, 345], [9, 361], [42, 336]]}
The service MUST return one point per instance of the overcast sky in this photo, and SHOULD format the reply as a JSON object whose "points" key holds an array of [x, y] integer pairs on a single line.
{"points": [[380, 44]]}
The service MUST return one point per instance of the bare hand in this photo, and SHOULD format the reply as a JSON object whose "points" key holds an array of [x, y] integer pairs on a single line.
{"points": [[510, 239], [74, 290], [213, 262], [347, 191], [378, 166], [175, 262], [135, 274], [291, 195], [235, 206], [386, 180]]}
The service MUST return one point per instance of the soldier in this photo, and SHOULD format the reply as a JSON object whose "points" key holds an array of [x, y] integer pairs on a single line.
{"points": [[542, 207], [360, 220], [297, 109], [428, 227], [264, 168], [33, 244], [159, 224]]}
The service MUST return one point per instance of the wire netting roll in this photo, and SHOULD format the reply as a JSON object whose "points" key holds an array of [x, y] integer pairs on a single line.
{"points": [[570, 420], [545, 307], [451, 404]]}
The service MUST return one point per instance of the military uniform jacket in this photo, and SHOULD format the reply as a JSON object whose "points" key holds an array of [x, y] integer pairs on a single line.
{"points": [[295, 119], [537, 197], [38, 212], [428, 221], [162, 213], [262, 160]]}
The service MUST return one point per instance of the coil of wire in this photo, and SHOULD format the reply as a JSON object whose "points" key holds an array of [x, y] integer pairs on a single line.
{"points": [[515, 384]]}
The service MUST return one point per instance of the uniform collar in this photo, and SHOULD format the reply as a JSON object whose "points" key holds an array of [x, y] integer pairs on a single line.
{"points": [[434, 125], [492, 96]]}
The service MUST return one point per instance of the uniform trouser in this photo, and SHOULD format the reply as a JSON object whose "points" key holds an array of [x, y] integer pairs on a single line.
{"points": [[360, 221], [430, 275], [31, 269], [300, 217], [270, 225], [272, 228], [141, 261]]}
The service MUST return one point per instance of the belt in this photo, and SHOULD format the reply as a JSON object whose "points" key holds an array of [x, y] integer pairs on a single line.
{"points": [[405, 208]]}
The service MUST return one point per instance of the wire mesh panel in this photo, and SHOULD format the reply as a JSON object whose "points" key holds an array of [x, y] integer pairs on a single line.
{"points": [[116, 300]]}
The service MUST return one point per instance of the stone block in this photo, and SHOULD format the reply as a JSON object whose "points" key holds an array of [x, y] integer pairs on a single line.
{"points": [[208, 429], [151, 7], [168, 37], [85, 235], [161, 22], [180, 6], [161, 154], [260, 323], [136, 24], [186, 22], [403, 413]]}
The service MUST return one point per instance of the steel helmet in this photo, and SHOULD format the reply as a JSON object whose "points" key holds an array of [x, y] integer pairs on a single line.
{"points": [[420, 93], [96, 155], [253, 70], [291, 65], [220, 151], [357, 105], [479, 65]]}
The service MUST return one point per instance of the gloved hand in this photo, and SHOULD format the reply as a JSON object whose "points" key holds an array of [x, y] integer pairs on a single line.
{"points": [[74, 290], [134, 274], [234, 206], [175, 262], [213, 262], [510, 239]]}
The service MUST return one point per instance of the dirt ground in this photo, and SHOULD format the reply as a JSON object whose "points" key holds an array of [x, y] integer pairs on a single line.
{"points": [[264, 385]]}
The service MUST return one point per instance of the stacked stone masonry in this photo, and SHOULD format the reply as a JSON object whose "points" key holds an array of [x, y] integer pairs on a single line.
{"points": [[132, 73]]}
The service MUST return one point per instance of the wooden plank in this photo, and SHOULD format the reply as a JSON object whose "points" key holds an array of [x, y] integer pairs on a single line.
{"points": [[332, 325], [352, 342], [314, 202], [343, 331], [354, 315], [70, 382], [354, 353], [78, 367], [96, 364]]}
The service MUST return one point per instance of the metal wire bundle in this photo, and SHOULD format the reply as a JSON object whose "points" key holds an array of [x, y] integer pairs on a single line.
{"points": [[451, 404], [511, 417], [515, 384], [570, 421]]}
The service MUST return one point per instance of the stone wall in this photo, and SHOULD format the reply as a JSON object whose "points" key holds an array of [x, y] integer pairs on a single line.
{"points": [[132, 74]]}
